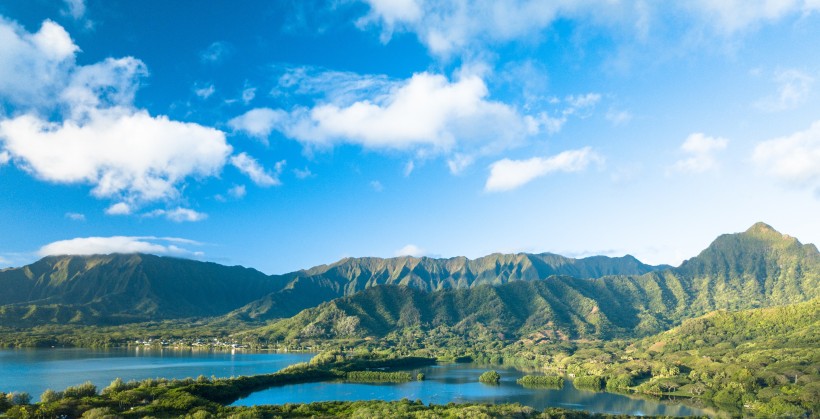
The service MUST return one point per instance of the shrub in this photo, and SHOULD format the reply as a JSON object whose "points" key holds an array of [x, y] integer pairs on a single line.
{"points": [[490, 377], [549, 381]]}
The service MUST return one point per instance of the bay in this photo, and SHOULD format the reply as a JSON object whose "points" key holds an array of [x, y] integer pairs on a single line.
{"points": [[35, 370]]}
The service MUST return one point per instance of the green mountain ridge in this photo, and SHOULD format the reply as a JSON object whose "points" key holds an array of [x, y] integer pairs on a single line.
{"points": [[351, 275], [757, 268], [588, 297], [124, 288]]}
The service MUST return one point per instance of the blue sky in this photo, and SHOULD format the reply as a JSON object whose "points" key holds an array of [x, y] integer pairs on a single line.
{"points": [[282, 135]]}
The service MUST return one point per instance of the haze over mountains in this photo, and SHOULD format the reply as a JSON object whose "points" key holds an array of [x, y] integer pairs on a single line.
{"points": [[546, 296]]}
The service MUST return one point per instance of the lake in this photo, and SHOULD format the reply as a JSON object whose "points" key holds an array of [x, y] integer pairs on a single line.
{"points": [[35, 370], [459, 383]]}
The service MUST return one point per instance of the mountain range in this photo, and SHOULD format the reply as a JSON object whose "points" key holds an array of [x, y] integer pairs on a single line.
{"points": [[538, 296]]}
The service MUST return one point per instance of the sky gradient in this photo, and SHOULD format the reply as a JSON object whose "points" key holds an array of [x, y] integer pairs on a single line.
{"points": [[283, 135]]}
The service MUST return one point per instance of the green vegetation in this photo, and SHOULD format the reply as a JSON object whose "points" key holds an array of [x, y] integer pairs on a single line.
{"points": [[737, 326], [490, 377], [545, 381], [588, 382], [378, 377]]}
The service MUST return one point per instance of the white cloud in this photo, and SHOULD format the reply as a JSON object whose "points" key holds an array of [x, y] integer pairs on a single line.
{"points": [[248, 94], [618, 117], [75, 216], [93, 134], [794, 159], [793, 88], [4, 157], [34, 67], [178, 214], [237, 191], [302, 173], [701, 151], [340, 87], [75, 8], [411, 250], [118, 244], [466, 27], [216, 52], [376, 185], [509, 174], [120, 208], [736, 15], [425, 111], [258, 123], [125, 154], [408, 168], [205, 92], [251, 168]]}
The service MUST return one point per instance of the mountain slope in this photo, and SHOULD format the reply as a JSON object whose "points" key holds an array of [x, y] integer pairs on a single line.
{"points": [[348, 276], [757, 268], [122, 288]]}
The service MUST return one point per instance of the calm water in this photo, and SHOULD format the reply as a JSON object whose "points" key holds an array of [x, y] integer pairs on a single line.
{"points": [[35, 370], [459, 383]]}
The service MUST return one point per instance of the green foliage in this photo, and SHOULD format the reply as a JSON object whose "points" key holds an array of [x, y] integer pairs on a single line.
{"points": [[86, 389], [490, 377], [378, 377], [420, 376], [546, 381], [589, 382]]}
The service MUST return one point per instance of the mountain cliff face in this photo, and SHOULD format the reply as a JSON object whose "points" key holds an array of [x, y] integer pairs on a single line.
{"points": [[351, 275], [757, 268]]}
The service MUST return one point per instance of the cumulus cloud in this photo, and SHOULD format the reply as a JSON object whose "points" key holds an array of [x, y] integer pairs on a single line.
{"points": [[794, 159], [793, 88], [302, 173], [256, 172], [258, 123], [701, 151], [509, 174], [4, 157], [77, 124], [411, 250], [125, 154], [119, 244], [34, 67], [426, 110]]}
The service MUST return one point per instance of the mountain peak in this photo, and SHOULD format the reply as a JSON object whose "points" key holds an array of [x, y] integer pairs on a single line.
{"points": [[761, 228]]}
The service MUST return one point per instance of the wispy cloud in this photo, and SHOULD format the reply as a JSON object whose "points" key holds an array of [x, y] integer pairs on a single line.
{"points": [[250, 167], [701, 151], [509, 174], [75, 216], [794, 159], [216, 52], [793, 88], [178, 215]]}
